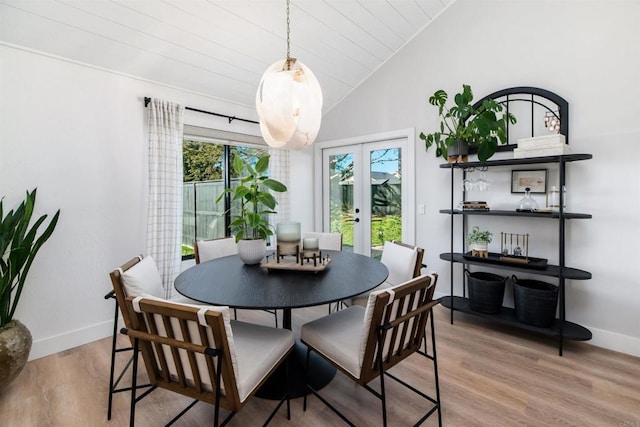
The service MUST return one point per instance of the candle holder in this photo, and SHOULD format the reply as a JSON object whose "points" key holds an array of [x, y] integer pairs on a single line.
{"points": [[310, 250], [288, 240]]}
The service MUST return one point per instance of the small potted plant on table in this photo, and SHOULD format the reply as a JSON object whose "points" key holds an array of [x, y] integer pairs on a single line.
{"points": [[478, 241]]}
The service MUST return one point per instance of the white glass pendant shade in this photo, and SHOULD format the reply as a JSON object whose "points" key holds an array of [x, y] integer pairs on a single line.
{"points": [[289, 106]]}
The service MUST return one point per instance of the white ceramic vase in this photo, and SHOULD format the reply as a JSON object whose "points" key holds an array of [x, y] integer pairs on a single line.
{"points": [[252, 251], [479, 246]]}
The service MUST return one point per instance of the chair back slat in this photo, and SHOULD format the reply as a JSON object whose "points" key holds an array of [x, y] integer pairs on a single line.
{"points": [[397, 325], [181, 354]]}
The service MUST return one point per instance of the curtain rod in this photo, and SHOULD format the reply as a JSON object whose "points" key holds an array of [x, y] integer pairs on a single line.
{"points": [[231, 118]]}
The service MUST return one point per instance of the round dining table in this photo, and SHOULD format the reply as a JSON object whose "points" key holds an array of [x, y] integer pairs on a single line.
{"points": [[228, 281]]}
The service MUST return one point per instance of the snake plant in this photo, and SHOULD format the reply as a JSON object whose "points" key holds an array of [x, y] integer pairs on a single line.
{"points": [[19, 245]]}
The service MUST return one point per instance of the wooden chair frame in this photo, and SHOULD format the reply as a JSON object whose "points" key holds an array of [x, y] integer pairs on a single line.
{"points": [[391, 340], [118, 295], [143, 331]]}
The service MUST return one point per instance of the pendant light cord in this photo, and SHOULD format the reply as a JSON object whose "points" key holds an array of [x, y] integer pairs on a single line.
{"points": [[289, 60], [288, 33]]}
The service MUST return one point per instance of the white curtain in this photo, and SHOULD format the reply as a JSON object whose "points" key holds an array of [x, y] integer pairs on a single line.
{"points": [[164, 232], [279, 169]]}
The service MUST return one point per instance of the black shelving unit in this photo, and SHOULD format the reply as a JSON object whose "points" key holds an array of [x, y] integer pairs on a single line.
{"points": [[561, 328]]}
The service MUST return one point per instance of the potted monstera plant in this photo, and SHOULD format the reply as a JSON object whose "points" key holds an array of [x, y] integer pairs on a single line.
{"points": [[19, 244], [462, 126], [250, 225]]}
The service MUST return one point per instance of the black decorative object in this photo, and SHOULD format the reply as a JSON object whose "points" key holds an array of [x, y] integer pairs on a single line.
{"points": [[486, 291], [535, 301]]}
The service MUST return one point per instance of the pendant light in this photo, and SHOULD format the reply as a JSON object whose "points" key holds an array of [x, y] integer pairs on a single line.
{"points": [[289, 102]]}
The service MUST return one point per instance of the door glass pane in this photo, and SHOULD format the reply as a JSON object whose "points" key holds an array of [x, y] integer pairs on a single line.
{"points": [[341, 197], [386, 198]]}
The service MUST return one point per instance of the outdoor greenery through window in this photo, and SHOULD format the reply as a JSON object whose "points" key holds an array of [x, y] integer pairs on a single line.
{"points": [[385, 192], [205, 166]]}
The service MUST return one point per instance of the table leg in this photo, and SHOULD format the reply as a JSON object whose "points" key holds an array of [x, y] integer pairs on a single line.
{"points": [[320, 374], [320, 371]]}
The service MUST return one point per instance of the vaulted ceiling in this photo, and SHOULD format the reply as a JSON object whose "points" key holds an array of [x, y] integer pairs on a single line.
{"points": [[221, 48]]}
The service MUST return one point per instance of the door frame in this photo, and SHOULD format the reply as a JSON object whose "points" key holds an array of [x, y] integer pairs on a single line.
{"points": [[408, 176]]}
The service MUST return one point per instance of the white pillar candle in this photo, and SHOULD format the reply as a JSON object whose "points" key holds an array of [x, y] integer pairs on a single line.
{"points": [[310, 243], [288, 231]]}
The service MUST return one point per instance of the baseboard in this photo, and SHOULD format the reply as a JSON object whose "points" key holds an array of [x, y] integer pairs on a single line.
{"points": [[602, 338], [57, 343], [615, 341]]}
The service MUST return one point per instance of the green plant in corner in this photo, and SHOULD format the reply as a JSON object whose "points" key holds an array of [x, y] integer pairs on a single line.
{"points": [[256, 201], [483, 127], [19, 245], [479, 236]]}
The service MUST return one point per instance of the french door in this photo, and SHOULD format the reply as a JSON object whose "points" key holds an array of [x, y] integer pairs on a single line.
{"points": [[367, 190]]}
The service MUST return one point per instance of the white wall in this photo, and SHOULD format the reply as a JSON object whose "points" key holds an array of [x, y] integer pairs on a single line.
{"points": [[78, 133], [587, 52]]}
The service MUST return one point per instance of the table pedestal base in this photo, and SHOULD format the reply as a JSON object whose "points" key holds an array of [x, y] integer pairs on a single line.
{"points": [[320, 374]]}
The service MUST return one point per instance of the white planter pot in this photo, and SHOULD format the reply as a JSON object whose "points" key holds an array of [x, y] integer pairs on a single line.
{"points": [[479, 246], [252, 251]]}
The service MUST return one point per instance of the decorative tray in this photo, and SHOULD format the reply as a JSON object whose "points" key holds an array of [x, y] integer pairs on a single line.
{"points": [[521, 261], [292, 265]]}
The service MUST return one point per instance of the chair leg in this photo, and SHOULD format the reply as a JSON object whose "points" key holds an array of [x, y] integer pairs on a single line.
{"points": [[306, 379], [134, 374], [435, 367], [383, 396], [113, 360]]}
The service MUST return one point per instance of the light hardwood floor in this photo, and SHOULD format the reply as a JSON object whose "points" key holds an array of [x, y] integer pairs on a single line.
{"points": [[489, 376]]}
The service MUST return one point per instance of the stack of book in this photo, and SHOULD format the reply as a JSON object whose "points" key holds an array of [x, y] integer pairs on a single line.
{"points": [[539, 146], [475, 206]]}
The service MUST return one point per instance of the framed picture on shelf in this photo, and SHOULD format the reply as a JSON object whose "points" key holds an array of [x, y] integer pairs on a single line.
{"points": [[535, 180]]}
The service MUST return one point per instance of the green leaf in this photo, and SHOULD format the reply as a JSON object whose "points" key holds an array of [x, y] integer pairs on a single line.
{"points": [[238, 165], [262, 164], [274, 185]]}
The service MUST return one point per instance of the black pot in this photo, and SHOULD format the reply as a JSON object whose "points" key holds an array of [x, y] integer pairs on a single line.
{"points": [[459, 148], [486, 291], [535, 301]]}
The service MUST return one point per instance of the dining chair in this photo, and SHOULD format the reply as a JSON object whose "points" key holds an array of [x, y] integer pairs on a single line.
{"points": [[199, 352], [330, 242], [138, 276], [365, 342], [205, 250], [326, 241], [403, 261]]}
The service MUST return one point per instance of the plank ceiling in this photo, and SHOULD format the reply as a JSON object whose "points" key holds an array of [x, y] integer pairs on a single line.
{"points": [[220, 48]]}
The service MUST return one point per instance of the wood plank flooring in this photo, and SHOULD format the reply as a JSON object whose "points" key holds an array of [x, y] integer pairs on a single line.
{"points": [[489, 376]]}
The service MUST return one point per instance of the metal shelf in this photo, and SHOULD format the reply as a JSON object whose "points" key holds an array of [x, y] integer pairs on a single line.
{"points": [[552, 215], [524, 161], [549, 270], [507, 316]]}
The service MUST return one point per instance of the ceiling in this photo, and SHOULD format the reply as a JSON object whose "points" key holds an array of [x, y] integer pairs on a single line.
{"points": [[220, 48]]}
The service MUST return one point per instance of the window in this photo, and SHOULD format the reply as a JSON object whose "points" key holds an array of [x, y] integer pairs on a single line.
{"points": [[207, 167]]}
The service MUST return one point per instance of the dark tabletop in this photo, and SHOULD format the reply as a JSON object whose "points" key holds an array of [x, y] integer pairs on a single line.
{"points": [[228, 281]]}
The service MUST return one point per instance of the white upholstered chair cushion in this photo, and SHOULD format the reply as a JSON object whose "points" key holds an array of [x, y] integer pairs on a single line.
{"points": [[327, 241], [217, 248], [401, 263], [338, 336], [258, 348], [143, 278]]}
